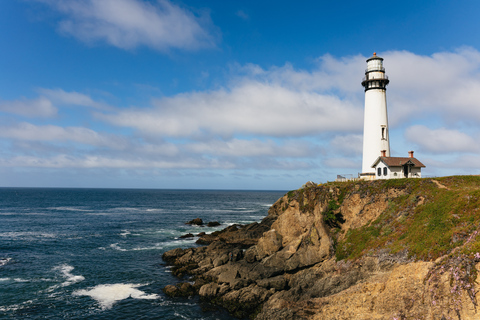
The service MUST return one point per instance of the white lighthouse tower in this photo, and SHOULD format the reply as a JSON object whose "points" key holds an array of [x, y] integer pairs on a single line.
{"points": [[375, 127]]}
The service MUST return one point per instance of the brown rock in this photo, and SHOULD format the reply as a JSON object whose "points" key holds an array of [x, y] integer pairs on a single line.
{"points": [[196, 221]]}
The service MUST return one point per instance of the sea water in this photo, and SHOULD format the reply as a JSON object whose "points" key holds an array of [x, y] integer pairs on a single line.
{"points": [[96, 253]]}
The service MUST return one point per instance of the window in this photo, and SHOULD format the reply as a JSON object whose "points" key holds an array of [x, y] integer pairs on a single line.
{"points": [[384, 133], [385, 171], [379, 172]]}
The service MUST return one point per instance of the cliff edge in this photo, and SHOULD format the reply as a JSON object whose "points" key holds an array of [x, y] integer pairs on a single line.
{"points": [[393, 249]]}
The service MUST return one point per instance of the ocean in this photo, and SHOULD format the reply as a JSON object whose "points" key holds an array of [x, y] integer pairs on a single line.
{"points": [[96, 253]]}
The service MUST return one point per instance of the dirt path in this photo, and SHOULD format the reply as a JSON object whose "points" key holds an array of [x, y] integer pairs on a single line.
{"points": [[440, 185]]}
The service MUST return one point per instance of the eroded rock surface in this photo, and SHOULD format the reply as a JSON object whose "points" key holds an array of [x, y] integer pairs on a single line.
{"points": [[285, 267]]}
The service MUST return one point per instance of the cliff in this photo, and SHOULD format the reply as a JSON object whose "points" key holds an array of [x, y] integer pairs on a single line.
{"points": [[394, 249]]}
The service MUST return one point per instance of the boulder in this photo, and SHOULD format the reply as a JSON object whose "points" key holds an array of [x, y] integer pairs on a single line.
{"points": [[213, 224], [171, 255], [188, 235], [196, 221], [184, 289], [209, 290]]}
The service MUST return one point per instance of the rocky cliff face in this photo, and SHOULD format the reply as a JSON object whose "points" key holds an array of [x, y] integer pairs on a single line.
{"points": [[346, 251]]}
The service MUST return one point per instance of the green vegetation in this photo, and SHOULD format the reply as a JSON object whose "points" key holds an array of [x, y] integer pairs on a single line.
{"points": [[429, 220]]}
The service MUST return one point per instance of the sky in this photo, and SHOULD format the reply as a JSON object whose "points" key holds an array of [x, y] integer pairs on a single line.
{"points": [[208, 94]]}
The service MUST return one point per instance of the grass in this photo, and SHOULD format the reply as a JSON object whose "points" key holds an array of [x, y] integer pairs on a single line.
{"points": [[428, 221]]}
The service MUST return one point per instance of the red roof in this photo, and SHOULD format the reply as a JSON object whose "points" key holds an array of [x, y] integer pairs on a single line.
{"points": [[398, 161]]}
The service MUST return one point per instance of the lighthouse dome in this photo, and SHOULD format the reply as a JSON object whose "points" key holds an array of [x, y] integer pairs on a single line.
{"points": [[375, 63]]}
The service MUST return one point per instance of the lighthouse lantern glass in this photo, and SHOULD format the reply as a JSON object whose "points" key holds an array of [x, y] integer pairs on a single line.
{"points": [[374, 64]]}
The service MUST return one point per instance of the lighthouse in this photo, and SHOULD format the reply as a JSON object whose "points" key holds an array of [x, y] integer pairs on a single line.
{"points": [[375, 126]]}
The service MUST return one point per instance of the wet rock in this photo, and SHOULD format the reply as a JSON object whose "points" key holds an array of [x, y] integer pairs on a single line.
{"points": [[213, 224], [184, 289], [188, 235], [196, 221], [171, 255]]}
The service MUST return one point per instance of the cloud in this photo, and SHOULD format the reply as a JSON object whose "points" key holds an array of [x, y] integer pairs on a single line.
{"points": [[39, 107], [351, 144], [31, 132], [277, 119], [128, 24], [441, 140], [251, 148], [445, 85], [252, 108], [336, 162], [61, 97]]}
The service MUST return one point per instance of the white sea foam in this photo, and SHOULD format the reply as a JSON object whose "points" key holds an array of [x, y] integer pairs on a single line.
{"points": [[27, 235], [69, 209], [15, 307], [4, 279], [4, 261], [66, 270], [108, 294], [125, 233], [115, 246]]}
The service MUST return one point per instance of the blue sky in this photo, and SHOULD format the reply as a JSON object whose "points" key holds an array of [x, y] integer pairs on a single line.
{"points": [[229, 94]]}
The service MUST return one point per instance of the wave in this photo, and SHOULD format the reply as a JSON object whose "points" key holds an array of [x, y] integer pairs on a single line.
{"points": [[66, 269], [125, 233], [108, 294], [80, 209], [4, 261], [15, 307], [26, 235]]}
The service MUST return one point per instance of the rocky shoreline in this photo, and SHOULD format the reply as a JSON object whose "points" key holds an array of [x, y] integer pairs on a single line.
{"points": [[285, 267]]}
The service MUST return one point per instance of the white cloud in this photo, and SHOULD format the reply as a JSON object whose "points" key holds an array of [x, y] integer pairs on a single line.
{"points": [[441, 140], [128, 24], [39, 107], [251, 148], [279, 118], [445, 85], [251, 108], [31, 132], [62, 97], [351, 144], [336, 162]]}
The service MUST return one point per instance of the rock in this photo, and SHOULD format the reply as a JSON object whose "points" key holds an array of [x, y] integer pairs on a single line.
{"points": [[309, 184], [171, 255], [184, 289], [188, 235], [269, 243], [277, 283], [213, 224], [206, 239], [209, 290], [251, 254], [220, 260], [201, 234], [196, 221], [285, 266]]}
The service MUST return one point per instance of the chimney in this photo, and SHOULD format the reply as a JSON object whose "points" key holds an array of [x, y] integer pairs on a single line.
{"points": [[384, 153], [410, 154]]}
